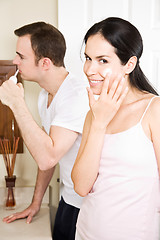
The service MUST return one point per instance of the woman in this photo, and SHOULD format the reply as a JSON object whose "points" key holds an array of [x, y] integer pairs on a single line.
{"points": [[117, 165]]}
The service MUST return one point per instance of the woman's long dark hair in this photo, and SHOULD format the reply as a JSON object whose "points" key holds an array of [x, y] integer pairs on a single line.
{"points": [[127, 41]]}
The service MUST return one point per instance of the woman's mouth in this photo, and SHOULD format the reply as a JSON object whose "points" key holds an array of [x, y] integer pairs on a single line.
{"points": [[94, 82]]}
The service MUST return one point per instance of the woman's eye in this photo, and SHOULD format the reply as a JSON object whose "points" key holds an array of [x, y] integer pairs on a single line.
{"points": [[103, 61]]}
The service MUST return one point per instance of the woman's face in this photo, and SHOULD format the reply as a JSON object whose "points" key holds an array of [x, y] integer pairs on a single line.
{"points": [[100, 57]]}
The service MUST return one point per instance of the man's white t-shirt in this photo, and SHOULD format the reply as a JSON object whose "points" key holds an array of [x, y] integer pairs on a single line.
{"points": [[68, 109]]}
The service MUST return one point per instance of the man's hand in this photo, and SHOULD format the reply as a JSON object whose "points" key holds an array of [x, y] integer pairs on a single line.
{"points": [[11, 93], [28, 213]]}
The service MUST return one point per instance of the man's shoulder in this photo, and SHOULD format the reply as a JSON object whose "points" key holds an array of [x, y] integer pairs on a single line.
{"points": [[73, 85], [42, 95], [77, 81], [72, 94]]}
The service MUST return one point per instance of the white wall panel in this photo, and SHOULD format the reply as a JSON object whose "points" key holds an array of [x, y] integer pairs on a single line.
{"points": [[156, 69], [76, 16], [72, 16], [98, 10], [155, 10]]}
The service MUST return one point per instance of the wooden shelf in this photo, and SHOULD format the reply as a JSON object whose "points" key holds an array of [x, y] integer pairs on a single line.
{"points": [[8, 124]]}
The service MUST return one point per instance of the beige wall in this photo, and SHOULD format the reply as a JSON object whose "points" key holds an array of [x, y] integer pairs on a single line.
{"points": [[14, 14]]}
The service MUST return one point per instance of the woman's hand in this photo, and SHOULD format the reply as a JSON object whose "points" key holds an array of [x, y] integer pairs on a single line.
{"points": [[104, 109]]}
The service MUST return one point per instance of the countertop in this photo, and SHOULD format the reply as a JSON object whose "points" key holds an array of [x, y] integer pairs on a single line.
{"points": [[38, 229]]}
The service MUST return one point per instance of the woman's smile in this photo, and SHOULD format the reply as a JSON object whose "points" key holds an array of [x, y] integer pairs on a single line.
{"points": [[94, 82]]}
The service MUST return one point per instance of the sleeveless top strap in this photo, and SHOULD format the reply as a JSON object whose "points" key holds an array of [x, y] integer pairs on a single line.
{"points": [[147, 108]]}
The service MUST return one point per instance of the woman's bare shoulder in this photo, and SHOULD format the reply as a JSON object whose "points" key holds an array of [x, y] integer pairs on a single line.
{"points": [[155, 102], [155, 107]]}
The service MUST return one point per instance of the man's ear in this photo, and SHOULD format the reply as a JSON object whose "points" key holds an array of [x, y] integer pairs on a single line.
{"points": [[45, 63], [131, 64]]}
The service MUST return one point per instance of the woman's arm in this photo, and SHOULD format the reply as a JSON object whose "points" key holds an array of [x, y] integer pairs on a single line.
{"points": [[154, 117], [86, 166], [85, 169]]}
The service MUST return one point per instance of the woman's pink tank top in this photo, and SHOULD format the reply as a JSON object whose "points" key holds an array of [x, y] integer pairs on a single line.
{"points": [[123, 204]]}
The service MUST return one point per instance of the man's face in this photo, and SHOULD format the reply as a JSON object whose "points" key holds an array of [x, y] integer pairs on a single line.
{"points": [[25, 59]]}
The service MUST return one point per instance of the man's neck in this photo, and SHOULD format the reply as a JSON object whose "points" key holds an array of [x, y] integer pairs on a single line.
{"points": [[53, 80]]}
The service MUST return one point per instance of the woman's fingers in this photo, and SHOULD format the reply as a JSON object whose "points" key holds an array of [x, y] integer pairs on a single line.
{"points": [[90, 96], [119, 87], [105, 84], [123, 95], [116, 86]]}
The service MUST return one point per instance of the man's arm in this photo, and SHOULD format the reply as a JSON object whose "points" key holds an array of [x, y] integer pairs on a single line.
{"points": [[46, 149], [59, 141], [42, 182], [44, 177]]}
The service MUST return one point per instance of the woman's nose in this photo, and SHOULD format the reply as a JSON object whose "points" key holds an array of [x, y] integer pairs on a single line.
{"points": [[90, 68]]}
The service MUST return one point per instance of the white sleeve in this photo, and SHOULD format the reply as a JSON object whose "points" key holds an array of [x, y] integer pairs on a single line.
{"points": [[71, 112]]}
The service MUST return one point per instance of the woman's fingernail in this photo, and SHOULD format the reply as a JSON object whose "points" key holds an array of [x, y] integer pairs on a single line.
{"points": [[123, 79]]}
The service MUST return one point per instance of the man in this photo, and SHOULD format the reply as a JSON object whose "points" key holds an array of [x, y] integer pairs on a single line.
{"points": [[63, 104]]}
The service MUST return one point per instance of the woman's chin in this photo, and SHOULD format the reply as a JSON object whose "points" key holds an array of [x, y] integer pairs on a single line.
{"points": [[96, 91]]}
